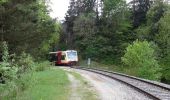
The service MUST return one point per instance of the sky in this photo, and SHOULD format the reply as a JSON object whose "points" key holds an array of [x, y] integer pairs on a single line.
{"points": [[60, 7]]}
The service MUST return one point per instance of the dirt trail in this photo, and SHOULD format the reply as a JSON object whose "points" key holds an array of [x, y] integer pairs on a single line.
{"points": [[74, 86], [109, 89], [79, 88]]}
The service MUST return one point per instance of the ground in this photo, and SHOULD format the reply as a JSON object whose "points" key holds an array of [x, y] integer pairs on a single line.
{"points": [[80, 89], [72, 84], [108, 89]]}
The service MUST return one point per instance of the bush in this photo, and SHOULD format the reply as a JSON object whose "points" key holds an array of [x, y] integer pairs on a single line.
{"points": [[25, 63], [13, 76], [42, 66], [25, 81], [8, 71], [16, 74], [140, 55]]}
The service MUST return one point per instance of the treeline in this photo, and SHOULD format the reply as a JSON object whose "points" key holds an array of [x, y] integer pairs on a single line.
{"points": [[98, 28], [26, 26], [105, 30]]}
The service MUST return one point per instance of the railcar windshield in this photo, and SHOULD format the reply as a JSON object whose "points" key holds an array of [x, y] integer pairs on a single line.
{"points": [[72, 56]]}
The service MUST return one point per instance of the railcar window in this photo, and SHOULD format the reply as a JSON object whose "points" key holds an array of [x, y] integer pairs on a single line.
{"points": [[72, 55], [63, 57]]}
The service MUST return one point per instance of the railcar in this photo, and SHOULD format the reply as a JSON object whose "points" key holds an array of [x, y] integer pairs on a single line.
{"points": [[68, 57]]}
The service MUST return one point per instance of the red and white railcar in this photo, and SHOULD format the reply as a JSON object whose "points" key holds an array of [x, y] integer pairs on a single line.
{"points": [[68, 57]]}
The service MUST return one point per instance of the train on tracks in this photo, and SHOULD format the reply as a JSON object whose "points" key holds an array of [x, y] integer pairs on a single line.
{"points": [[68, 57]]}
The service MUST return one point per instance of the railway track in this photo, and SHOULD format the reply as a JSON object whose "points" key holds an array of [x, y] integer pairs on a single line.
{"points": [[154, 90]]}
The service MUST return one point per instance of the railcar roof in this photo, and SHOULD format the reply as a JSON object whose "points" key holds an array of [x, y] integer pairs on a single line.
{"points": [[62, 51]]}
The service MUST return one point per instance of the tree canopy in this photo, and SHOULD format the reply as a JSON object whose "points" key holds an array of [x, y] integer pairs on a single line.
{"points": [[26, 26]]}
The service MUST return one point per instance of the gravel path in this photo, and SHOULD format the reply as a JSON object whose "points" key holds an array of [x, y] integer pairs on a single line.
{"points": [[109, 89], [79, 88], [74, 85]]}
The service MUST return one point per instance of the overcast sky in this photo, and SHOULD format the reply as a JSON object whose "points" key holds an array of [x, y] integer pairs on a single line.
{"points": [[60, 7]]}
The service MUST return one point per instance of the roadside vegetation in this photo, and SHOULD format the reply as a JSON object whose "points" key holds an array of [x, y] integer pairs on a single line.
{"points": [[27, 35], [140, 56], [21, 78], [16, 73]]}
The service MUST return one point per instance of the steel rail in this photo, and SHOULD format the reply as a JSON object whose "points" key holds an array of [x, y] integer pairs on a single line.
{"points": [[117, 76]]}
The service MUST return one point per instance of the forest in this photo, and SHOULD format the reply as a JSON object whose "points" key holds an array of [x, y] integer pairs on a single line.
{"points": [[133, 37]]}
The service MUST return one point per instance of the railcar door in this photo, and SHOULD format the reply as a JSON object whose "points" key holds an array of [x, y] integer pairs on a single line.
{"points": [[59, 56]]}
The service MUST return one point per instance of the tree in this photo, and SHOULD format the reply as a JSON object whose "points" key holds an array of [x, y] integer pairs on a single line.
{"points": [[69, 23], [140, 55], [114, 27], [139, 10], [26, 25], [76, 9], [149, 29], [98, 28], [156, 29], [84, 33], [163, 40]]}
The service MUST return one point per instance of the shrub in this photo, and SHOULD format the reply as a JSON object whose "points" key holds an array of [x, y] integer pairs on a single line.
{"points": [[140, 55], [42, 66], [25, 81], [8, 71], [16, 74], [25, 63], [13, 76]]}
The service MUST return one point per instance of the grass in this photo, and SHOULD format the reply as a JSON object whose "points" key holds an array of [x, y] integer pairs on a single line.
{"points": [[52, 84], [121, 69]]}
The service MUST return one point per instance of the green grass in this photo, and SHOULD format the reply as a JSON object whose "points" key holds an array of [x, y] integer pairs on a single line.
{"points": [[49, 85], [122, 69]]}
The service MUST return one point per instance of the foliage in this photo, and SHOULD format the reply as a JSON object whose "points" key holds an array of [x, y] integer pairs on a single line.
{"points": [[26, 26], [25, 81], [114, 29], [163, 40], [141, 55], [84, 29], [41, 66], [101, 36], [8, 70], [156, 29], [104, 31], [149, 29], [25, 63], [139, 11], [15, 73]]}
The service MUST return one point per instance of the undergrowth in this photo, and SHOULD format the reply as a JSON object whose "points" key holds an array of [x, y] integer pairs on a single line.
{"points": [[16, 72]]}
